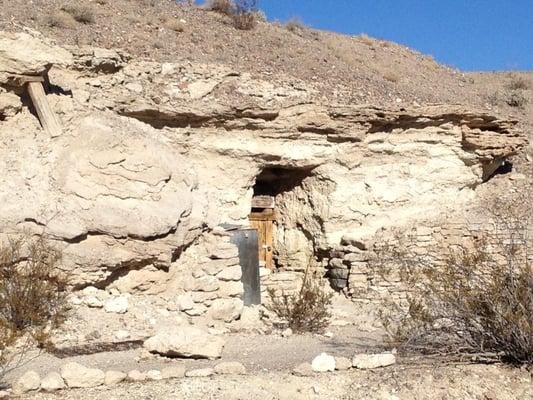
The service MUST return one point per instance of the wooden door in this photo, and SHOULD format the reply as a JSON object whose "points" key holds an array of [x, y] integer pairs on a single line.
{"points": [[263, 222]]}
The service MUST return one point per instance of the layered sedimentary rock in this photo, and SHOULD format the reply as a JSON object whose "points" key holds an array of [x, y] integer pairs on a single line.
{"points": [[153, 156]]}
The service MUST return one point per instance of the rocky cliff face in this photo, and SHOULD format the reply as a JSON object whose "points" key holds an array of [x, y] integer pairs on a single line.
{"points": [[154, 155]]}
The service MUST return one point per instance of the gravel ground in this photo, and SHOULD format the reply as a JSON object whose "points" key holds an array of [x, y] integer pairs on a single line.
{"points": [[416, 382], [259, 353]]}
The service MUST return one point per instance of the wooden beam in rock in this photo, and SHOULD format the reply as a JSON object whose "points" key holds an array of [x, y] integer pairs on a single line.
{"points": [[47, 117]]}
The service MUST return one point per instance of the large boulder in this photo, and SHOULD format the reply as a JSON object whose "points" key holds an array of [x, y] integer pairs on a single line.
{"points": [[27, 382], [186, 342], [52, 382], [78, 376], [25, 54]]}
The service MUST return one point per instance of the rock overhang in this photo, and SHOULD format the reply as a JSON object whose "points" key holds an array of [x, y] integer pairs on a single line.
{"points": [[154, 152]]}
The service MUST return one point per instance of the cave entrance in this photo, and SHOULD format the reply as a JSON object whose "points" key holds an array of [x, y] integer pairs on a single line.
{"points": [[269, 209]]}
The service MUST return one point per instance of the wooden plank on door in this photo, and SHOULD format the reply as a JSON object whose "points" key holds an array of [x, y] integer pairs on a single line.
{"points": [[269, 261]]}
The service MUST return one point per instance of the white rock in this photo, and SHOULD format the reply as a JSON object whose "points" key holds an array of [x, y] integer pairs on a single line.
{"points": [[52, 382], [117, 305], [78, 376], [93, 302], [371, 361], [154, 375], [231, 289], [233, 273], [230, 368], [200, 373], [287, 332], [323, 363], [75, 300], [114, 377], [174, 371], [136, 376], [122, 335], [187, 342], [27, 382], [185, 302], [198, 309], [226, 309], [342, 363]]}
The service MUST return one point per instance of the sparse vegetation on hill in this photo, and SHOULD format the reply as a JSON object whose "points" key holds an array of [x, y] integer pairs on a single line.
{"points": [[81, 13]]}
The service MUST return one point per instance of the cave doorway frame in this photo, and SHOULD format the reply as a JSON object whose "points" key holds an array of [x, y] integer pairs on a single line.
{"points": [[265, 215], [262, 219]]}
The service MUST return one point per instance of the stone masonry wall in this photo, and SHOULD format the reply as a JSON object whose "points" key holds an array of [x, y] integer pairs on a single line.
{"points": [[348, 268]]}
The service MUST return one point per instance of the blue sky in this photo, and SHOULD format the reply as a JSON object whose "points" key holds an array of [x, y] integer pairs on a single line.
{"points": [[468, 34]]}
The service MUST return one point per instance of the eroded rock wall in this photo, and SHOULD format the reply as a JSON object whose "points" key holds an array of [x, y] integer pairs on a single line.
{"points": [[154, 156]]}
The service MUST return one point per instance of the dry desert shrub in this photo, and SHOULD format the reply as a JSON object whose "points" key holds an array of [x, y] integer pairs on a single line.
{"points": [[473, 299], [294, 25], [243, 13], [81, 13], [308, 309], [61, 20], [175, 25], [391, 76], [517, 83], [516, 98], [32, 297], [364, 38], [226, 7]]}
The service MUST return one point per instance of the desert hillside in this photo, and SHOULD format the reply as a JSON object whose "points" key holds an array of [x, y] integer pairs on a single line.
{"points": [[274, 212], [343, 69]]}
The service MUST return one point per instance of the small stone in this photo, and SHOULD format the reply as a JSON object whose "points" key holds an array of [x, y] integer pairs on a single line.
{"points": [[198, 309], [117, 305], [230, 368], [136, 376], [233, 273], [303, 369], [342, 363], [200, 373], [122, 335], [154, 375], [93, 302], [4, 394], [114, 377], [52, 382], [174, 371], [185, 302], [371, 361], [287, 332], [323, 363], [226, 310], [27, 382]]}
